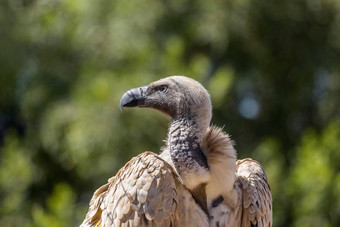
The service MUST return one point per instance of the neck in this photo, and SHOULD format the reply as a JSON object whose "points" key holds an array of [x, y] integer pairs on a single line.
{"points": [[185, 139]]}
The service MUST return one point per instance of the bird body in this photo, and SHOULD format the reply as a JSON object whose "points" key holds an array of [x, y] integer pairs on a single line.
{"points": [[195, 181], [144, 193]]}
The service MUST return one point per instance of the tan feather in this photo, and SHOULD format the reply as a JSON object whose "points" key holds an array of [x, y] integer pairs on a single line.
{"points": [[156, 202], [256, 192]]}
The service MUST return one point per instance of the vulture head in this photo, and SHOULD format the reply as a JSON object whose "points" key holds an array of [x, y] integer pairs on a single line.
{"points": [[176, 96]]}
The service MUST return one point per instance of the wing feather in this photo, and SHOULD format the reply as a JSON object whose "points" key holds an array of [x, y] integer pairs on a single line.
{"points": [[256, 194], [145, 192]]}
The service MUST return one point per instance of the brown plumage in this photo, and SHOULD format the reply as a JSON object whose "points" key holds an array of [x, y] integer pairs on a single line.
{"points": [[144, 193], [195, 181]]}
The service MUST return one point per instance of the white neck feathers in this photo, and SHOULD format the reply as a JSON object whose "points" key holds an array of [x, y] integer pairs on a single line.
{"points": [[221, 156]]}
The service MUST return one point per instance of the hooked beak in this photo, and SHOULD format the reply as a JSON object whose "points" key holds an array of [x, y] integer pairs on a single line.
{"points": [[134, 97]]}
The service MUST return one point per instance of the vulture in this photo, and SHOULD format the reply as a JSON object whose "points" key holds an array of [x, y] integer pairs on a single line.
{"points": [[195, 181]]}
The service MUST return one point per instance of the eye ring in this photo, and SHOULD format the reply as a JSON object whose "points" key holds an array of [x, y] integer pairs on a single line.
{"points": [[163, 88]]}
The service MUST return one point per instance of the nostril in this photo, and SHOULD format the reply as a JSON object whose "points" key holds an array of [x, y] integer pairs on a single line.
{"points": [[142, 90]]}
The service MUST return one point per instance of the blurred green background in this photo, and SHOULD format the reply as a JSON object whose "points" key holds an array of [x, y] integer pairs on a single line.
{"points": [[272, 69]]}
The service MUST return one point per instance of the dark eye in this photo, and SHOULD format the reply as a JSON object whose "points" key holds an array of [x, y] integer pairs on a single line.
{"points": [[163, 88]]}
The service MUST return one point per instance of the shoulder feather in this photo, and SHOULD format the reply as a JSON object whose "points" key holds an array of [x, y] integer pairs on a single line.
{"points": [[257, 198]]}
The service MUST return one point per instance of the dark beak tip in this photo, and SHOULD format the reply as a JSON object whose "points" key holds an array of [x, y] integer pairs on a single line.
{"points": [[123, 101]]}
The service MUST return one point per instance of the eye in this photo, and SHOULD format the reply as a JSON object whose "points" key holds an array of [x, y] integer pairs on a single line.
{"points": [[163, 88]]}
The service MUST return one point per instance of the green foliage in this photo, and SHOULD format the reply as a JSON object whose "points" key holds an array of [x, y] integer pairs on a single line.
{"points": [[16, 174], [60, 208], [315, 178], [271, 68]]}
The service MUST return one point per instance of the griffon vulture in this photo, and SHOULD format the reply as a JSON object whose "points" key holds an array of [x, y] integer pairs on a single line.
{"points": [[195, 181]]}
